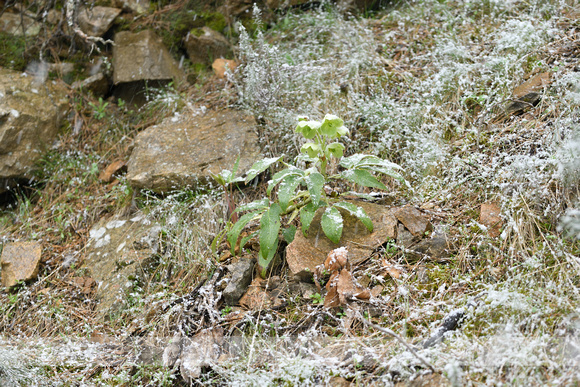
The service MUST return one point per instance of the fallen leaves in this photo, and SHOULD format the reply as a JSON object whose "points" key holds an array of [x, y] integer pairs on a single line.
{"points": [[342, 286]]}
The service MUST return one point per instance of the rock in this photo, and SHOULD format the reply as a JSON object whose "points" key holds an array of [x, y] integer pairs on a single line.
{"points": [[242, 273], [98, 84], [30, 117], [118, 251], [207, 46], [404, 236], [489, 216], [137, 6], [19, 25], [256, 298], [95, 21], [307, 252], [435, 248], [203, 350], [184, 150], [413, 220], [142, 56], [20, 261], [220, 66]]}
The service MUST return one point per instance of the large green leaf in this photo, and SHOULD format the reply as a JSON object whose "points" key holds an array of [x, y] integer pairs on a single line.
{"points": [[362, 177], [385, 171], [234, 232], [269, 229], [315, 183], [286, 190], [260, 166], [357, 211], [352, 161], [332, 224], [306, 215], [261, 204], [279, 176], [288, 233]]}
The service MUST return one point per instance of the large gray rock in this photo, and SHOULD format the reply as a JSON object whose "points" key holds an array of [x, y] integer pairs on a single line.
{"points": [[184, 150], [19, 25], [97, 20], [30, 116], [142, 56], [118, 253], [208, 46]]}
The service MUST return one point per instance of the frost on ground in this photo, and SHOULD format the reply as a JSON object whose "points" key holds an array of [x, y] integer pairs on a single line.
{"points": [[426, 85]]}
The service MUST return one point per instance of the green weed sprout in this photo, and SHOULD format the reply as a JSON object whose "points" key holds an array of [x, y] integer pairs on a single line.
{"points": [[300, 192]]}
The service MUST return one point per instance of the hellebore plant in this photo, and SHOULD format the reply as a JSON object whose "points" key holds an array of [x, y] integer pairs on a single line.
{"points": [[300, 192]]}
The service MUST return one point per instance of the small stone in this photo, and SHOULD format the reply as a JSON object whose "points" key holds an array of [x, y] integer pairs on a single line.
{"points": [[242, 272], [414, 220], [220, 66], [436, 248], [142, 56], [96, 21], [207, 47], [20, 261]]}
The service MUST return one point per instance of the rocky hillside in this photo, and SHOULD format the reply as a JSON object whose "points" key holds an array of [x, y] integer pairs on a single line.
{"points": [[289, 192]]}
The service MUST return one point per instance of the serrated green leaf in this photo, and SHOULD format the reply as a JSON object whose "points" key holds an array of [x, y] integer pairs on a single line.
{"points": [[336, 149], [261, 204], [286, 190], [358, 212], [332, 224], [362, 177], [269, 229], [279, 176], [234, 232], [260, 166], [315, 183], [306, 215]]}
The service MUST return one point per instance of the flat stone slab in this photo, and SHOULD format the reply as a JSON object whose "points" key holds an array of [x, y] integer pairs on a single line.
{"points": [[183, 151], [117, 252], [142, 56], [307, 252], [20, 261]]}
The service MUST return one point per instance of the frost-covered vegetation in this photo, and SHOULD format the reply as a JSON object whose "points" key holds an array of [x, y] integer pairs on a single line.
{"points": [[423, 84]]}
